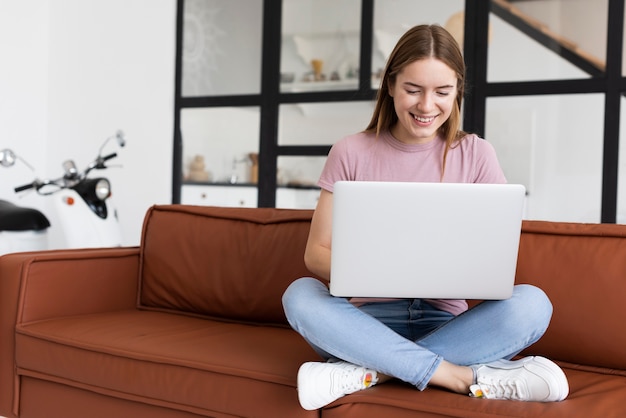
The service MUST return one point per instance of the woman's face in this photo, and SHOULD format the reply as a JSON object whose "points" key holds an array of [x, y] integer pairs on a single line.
{"points": [[424, 94]]}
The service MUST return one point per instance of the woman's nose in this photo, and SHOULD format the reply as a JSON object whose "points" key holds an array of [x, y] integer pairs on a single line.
{"points": [[425, 103]]}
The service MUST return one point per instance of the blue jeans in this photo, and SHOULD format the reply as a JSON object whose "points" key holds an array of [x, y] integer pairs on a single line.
{"points": [[408, 338]]}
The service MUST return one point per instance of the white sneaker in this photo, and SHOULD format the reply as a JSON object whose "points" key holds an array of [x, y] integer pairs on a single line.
{"points": [[322, 383], [528, 379]]}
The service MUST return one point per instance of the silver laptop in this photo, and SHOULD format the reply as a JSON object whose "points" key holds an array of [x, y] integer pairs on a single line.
{"points": [[425, 240]]}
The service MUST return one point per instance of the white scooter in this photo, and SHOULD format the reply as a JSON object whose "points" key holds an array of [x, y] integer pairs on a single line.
{"points": [[84, 213], [21, 228]]}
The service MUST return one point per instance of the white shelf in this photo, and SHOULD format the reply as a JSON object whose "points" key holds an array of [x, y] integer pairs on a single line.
{"points": [[304, 86], [246, 196]]}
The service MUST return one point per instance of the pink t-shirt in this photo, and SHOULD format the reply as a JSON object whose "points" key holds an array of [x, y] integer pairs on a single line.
{"points": [[364, 157]]}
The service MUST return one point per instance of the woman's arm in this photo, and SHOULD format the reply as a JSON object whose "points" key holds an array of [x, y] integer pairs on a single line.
{"points": [[317, 253]]}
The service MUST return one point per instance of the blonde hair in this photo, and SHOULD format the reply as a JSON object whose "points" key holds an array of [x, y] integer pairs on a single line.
{"points": [[420, 42]]}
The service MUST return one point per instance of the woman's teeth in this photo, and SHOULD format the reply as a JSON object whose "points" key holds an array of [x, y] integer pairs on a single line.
{"points": [[423, 119]]}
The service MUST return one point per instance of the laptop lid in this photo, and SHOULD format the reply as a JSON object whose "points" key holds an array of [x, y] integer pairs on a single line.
{"points": [[425, 240]]}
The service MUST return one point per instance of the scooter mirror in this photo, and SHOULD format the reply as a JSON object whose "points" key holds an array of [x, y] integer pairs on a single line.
{"points": [[69, 167], [7, 158], [121, 138]]}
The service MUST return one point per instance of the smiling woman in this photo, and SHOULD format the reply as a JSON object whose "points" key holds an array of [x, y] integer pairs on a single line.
{"points": [[435, 64], [414, 136], [424, 93]]}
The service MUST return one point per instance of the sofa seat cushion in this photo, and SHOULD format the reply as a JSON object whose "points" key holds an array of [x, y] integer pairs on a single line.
{"points": [[197, 365], [593, 393]]}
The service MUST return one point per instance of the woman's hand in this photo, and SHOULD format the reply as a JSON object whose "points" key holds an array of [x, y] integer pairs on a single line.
{"points": [[317, 253]]}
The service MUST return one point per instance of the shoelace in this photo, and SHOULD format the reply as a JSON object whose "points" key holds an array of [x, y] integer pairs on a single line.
{"points": [[502, 389], [349, 380]]}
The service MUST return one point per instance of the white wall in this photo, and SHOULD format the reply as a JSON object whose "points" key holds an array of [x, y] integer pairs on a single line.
{"points": [[72, 73], [23, 86]]}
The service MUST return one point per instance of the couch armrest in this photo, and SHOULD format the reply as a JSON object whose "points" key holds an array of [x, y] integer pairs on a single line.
{"points": [[48, 284]]}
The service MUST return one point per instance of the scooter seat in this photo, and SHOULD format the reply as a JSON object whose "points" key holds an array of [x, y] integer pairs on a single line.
{"points": [[17, 218]]}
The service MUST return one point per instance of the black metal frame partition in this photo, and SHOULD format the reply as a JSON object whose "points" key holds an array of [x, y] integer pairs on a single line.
{"points": [[611, 83]]}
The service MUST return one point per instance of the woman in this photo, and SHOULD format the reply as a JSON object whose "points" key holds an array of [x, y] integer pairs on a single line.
{"points": [[415, 135]]}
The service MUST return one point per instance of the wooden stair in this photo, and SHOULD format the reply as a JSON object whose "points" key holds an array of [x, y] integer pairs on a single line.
{"points": [[539, 31]]}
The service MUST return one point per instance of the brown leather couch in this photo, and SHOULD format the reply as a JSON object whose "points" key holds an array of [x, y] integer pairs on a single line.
{"points": [[190, 324]]}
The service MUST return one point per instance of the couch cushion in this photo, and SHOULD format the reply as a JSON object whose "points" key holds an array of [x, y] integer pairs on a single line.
{"points": [[231, 263], [197, 365], [582, 268]]}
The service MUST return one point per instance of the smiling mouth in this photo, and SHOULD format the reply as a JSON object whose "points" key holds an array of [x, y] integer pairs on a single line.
{"points": [[423, 119]]}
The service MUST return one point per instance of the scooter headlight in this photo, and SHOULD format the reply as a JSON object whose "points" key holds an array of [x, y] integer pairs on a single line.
{"points": [[94, 192], [102, 189]]}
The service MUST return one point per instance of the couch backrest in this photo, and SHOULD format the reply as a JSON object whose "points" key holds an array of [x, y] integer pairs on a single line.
{"points": [[235, 263], [228, 263], [582, 268]]}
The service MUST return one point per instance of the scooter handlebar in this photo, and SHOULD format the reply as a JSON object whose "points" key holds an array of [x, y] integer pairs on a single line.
{"points": [[24, 187], [108, 157], [98, 164], [101, 160]]}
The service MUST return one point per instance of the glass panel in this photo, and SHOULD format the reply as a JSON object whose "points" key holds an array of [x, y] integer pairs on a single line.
{"points": [[299, 171], [558, 161], [621, 180], [220, 145], [578, 26], [392, 19], [320, 45], [624, 49], [222, 47], [321, 123], [297, 181]]}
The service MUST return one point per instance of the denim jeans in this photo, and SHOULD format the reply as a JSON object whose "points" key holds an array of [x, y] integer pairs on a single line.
{"points": [[408, 338]]}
